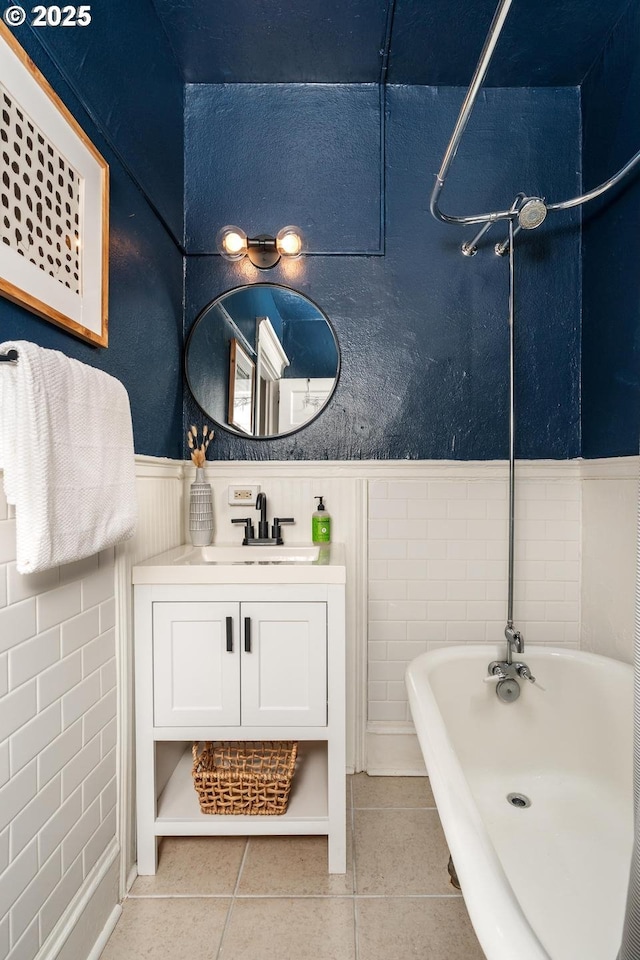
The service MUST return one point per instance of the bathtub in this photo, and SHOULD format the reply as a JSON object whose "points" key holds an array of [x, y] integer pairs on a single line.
{"points": [[547, 881]]}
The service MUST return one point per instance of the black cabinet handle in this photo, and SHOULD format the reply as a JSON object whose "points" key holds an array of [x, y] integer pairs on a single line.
{"points": [[247, 634], [229, 634]]}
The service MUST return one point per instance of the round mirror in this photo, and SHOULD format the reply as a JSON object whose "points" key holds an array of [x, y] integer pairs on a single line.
{"points": [[262, 360]]}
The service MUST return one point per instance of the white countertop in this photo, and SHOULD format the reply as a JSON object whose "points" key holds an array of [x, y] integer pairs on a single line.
{"points": [[225, 563]]}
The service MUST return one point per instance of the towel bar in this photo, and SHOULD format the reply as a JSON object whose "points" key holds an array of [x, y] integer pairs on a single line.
{"points": [[11, 357]]}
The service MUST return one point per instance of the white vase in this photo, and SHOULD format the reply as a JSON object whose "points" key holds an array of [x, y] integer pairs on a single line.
{"points": [[200, 511]]}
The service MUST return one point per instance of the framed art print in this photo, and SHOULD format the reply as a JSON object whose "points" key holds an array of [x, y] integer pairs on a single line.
{"points": [[54, 191]]}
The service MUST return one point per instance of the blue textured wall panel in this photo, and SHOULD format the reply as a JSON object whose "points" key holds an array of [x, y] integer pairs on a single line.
{"points": [[123, 69], [262, 156], [145, 304], [306, 41], [611, 251], [435, 42], [423, 330], [438, 42]]}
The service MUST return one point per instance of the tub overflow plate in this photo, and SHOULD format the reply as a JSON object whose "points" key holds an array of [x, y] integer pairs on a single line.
{"points": [[518, 800]]}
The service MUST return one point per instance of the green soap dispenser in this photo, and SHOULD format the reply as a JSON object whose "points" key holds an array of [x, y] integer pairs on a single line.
{"points": [[320, 524]]}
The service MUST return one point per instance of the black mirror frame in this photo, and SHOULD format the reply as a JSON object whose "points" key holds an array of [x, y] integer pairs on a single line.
{"points": [[225, 426]]}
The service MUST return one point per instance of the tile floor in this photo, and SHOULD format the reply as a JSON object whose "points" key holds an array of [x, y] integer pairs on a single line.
{"points": [[272, 899]]}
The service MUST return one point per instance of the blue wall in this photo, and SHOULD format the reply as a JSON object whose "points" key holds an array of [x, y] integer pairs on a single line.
{"points": [[420, 327], [611, 250], [145, 275], [423, 330], [432, 42], [262, 156], [123, 69], [541, 44]]}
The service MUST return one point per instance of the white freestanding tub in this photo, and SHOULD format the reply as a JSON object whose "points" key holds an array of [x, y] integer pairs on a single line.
{"points": [[548, 880]]}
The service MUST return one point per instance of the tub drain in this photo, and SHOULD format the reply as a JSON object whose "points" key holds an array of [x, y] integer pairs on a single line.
{"points": [[518, 800]]}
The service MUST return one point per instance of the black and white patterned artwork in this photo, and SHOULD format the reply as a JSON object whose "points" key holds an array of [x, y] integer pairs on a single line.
{"points": [[40, 197]]}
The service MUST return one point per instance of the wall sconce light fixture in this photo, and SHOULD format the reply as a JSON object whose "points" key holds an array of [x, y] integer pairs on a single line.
{"points": [[263, 251]]}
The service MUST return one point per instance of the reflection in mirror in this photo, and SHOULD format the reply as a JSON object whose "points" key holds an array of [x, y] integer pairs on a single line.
{"points": [[262, 360], [242, 371]]}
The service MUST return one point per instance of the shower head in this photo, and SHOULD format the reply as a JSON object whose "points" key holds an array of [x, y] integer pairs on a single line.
{"points": [[532, 213]]}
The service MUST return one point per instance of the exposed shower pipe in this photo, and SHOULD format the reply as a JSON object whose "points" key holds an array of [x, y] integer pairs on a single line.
{"points": [[470, 247], [501, 248], [535, 206], [513, 637], [599, 190], [477, 80], [530, 213]]}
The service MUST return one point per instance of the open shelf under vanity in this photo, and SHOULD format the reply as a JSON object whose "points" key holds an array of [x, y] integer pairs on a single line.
{"points": [[178, 811]]}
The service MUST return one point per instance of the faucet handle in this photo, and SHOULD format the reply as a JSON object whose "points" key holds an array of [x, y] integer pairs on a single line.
{"points": [[248, 528], [523, 671], [276, 532]]}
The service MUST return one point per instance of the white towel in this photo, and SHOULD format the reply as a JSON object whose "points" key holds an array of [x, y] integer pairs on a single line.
{"points": [[66, 448]]}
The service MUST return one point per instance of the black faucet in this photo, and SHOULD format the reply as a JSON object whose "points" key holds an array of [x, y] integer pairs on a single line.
{"points": [[263, 525], [263, 538]]}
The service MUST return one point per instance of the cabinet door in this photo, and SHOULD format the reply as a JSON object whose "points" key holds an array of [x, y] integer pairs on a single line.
{"points": [[196, 664], [284, 664]]}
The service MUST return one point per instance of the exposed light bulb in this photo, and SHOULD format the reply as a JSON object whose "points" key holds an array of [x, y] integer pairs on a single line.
{"points": [[290, 245], [263, 251], [289, 242], [232, 242]]}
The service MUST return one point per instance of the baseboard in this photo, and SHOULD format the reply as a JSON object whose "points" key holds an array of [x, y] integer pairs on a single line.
{"points": [[131, 877], [85, 926], [105, 933], [393, 751]]}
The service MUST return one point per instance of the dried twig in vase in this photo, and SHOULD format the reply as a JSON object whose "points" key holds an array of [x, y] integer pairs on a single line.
{"points": [[199, 448]]}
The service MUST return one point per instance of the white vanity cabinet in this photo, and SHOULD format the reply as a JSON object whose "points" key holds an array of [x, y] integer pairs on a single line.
{"points": [[239, 652], [221, 663], [196, 674]]}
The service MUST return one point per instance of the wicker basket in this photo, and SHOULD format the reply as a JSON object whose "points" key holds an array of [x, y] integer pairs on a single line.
{"points": [[248, 777]]}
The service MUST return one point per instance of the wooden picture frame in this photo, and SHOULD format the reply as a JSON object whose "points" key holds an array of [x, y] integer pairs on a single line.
{"points": [[242, 378], [54, 252]]}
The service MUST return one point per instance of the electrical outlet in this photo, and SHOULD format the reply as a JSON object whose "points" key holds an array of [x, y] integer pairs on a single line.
{"points": [[244, 494]]}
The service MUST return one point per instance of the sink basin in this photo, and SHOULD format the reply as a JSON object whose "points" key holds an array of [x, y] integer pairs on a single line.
{"points": [[233, 563], [231, 553]]}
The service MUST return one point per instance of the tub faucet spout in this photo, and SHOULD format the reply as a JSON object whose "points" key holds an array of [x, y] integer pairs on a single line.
{"points": [[515, 641]]}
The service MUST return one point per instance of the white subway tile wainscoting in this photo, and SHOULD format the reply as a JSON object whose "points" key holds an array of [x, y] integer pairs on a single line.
{"points": [[61, 706], [438, 571], [426, 549], [58, 724], [426, 545]]}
